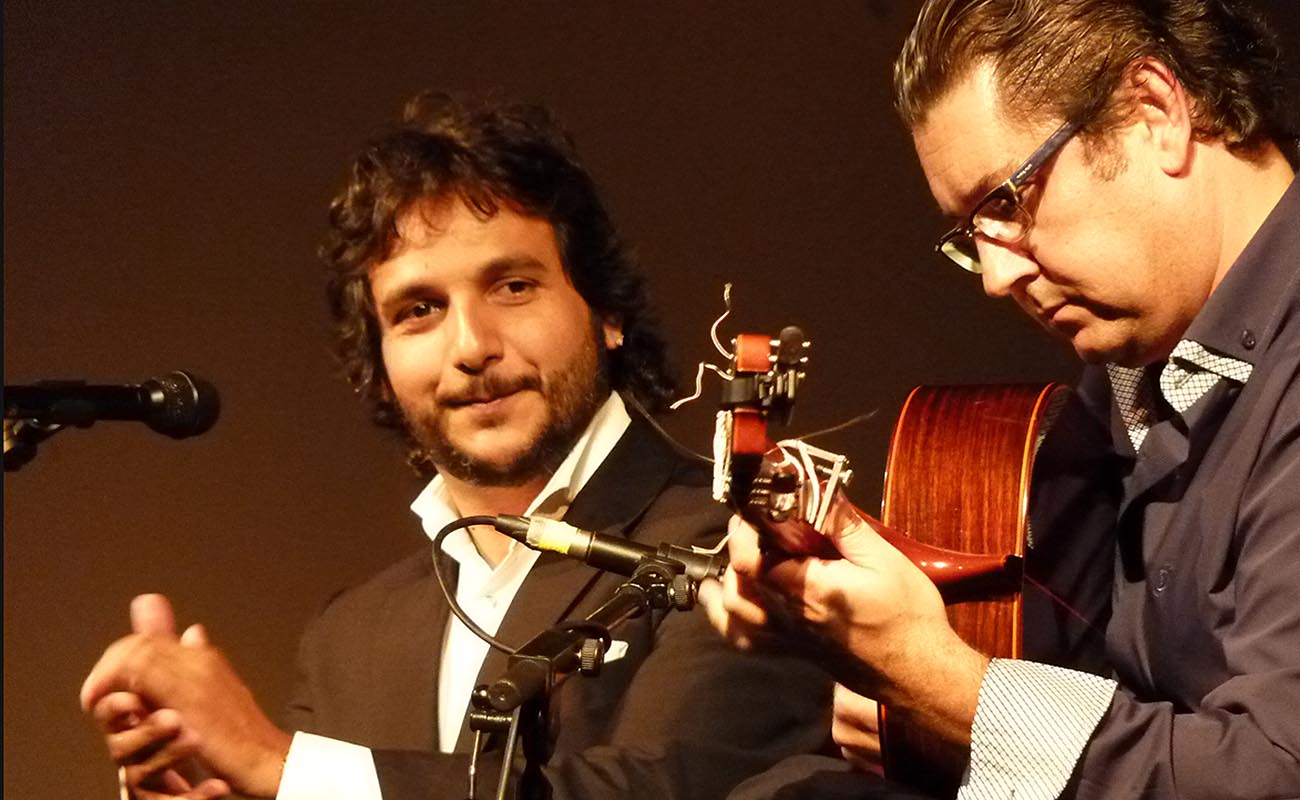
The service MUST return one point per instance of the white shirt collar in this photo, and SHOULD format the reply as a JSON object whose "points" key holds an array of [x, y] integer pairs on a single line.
{"points": [[435, 508]]}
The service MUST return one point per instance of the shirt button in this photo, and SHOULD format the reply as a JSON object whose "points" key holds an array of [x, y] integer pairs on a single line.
{"points": [[1248, 340], [1161, 583]]}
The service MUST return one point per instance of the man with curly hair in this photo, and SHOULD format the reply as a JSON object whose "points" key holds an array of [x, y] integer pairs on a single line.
{"points": [[486, 309]]}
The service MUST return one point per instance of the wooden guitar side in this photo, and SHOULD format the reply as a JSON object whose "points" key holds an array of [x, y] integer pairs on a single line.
{"points": [[958, 477]]}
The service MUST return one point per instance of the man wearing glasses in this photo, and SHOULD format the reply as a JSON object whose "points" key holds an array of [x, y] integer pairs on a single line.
{"points": [[1155, 226]]}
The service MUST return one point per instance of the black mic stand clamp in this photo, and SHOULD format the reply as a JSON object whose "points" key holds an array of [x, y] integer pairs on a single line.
{"points": [[517, 701], [21, 438]]}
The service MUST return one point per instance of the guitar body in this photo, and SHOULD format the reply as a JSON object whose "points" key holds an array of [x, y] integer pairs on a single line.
{"points": [[958, 475]]}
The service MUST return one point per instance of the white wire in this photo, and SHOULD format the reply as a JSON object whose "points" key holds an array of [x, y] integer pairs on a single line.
{"points": [[812, 485], [713, 330], [713, 334], [699, 385]]}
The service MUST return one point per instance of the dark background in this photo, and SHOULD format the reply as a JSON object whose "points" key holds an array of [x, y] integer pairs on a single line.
{"points": [[166, 172]]}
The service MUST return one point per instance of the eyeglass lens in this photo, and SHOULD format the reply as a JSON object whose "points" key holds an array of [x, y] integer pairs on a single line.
{"points": [[1000, 218]]}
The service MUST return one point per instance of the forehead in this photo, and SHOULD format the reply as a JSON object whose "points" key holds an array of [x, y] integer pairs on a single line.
{"points": [[966, 145], [451, 222], [444, 235]]}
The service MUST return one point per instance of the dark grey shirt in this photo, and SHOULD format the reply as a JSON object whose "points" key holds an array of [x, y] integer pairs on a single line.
{"points": [[1176, 570]]}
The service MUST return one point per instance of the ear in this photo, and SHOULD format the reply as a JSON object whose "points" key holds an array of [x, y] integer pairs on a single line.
{"points": [[1161, 112], [612, 330]]}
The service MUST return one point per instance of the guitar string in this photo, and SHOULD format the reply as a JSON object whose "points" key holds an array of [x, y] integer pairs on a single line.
{"points": [[1059, 601]]}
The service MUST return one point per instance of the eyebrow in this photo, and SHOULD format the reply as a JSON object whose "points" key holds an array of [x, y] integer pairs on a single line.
{"points": [[499, 267], [980, 190]]}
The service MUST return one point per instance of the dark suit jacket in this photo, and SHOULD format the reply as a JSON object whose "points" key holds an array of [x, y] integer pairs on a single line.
{"points": [[680, 715]]}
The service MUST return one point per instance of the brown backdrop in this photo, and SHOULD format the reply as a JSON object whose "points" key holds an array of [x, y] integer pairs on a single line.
{"points": [[166, 169]]}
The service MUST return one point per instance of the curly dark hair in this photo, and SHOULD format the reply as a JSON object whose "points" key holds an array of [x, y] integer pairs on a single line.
{"points": [[486, 153], [1064, 59]]}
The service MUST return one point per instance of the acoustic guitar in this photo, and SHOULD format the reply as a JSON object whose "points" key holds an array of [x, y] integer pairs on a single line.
{"points": [[955, 502]]}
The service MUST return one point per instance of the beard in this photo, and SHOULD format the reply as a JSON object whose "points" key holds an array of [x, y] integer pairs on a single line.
{"points": [[572, 394]]}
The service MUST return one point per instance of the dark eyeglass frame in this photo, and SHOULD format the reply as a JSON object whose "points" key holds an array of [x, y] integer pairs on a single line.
{"points": [[958, 244]]}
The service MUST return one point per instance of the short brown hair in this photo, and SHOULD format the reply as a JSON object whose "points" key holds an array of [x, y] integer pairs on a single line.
{"points": [[1064, 59]]}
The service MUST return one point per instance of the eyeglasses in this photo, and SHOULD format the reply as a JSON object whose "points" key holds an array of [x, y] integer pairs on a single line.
{"points": [[1000, 215]]}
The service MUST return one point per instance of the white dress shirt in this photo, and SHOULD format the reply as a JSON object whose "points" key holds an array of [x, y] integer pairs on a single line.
{"points": [[319, 768]]}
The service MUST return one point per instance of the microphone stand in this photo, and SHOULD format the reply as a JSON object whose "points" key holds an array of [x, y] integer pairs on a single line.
{"points": [[21, 438], [517, 701]]}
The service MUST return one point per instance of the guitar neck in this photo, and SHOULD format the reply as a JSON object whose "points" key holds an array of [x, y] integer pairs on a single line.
{"points": [[959, 576]]}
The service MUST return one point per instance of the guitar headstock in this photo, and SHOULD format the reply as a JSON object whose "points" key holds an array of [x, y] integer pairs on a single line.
{"points": [[765, 373], [784, 487]]}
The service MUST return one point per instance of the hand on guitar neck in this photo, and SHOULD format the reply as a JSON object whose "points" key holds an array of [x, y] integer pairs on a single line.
{"points": [[870, 616], [874, 606]]}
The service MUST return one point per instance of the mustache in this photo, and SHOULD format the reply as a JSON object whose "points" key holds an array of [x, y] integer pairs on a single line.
{"points": [[488, 387]]}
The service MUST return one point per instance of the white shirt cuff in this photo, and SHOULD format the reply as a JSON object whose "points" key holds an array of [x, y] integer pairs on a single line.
{"points": [[1031, 725], [328, 769]]}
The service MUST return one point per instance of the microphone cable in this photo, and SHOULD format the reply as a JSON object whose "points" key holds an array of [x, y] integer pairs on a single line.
{"points": [[447, 592]]}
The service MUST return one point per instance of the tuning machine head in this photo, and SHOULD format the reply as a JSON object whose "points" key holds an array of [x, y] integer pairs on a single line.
{"points": [[766, 372]]}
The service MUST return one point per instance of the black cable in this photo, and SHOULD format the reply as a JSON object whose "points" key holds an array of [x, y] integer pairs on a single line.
{"points": [[456, 610], [680, 448], [512, 735]]}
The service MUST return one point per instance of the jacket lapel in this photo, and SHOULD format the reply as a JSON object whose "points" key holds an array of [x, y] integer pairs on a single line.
{"points": [[631, 477], [400, 646]]}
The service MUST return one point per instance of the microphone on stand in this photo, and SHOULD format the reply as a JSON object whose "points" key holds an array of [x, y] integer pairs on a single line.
{"points": [[176, 404], [610, 553]]}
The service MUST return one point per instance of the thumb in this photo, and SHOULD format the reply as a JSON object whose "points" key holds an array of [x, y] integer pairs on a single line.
{"points": [[858, 541], [195, 636], [151, 614], [854, 534]]}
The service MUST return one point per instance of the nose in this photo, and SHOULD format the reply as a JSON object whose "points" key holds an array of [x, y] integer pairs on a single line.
{"points": [[475, 343], [1004, 267]]}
